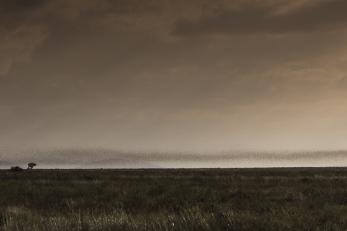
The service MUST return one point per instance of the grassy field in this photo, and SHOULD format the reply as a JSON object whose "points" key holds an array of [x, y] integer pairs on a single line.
{"points": [[230, 199]]}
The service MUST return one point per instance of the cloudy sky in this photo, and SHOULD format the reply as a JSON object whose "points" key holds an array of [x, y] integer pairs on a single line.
{"points": [[173, 75]]}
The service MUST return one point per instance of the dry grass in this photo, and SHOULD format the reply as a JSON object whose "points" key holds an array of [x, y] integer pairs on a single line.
{"points": [[301, 199]]}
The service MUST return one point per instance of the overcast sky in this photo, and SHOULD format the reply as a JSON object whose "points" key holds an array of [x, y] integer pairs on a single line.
{"points": [[173, 75]]}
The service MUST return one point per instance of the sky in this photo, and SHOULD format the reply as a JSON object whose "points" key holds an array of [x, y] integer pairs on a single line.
{"points": [[172, 76]]}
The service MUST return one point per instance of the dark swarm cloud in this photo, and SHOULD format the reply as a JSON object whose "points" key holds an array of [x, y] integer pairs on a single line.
{"points": [[254, 17]]}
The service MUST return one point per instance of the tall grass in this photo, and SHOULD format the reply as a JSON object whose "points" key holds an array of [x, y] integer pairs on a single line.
{"points": [[303, 199]]}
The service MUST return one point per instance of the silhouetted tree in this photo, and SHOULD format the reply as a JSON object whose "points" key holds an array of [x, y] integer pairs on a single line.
{"points": [[16, 169], [31, 165]]}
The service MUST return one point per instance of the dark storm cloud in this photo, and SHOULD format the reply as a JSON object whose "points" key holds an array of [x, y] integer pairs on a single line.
{"points": [[256, 17], [18, 12], [18, 5], [111, 73]]}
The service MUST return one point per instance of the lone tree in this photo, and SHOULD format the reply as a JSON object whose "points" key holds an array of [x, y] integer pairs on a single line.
{"points": [[16, 169], [31, 165]]}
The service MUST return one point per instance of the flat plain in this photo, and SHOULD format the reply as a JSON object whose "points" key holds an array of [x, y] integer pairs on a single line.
{"points": [[174, 199]]}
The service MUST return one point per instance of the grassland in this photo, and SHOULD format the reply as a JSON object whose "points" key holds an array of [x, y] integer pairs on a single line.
{"points": [[229, 199]]}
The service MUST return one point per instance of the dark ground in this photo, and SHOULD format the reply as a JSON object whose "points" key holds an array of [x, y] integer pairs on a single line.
{"points": [[181, 199]]}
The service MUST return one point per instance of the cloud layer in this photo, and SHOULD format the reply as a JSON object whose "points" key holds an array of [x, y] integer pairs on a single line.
{"points": [[253, 17], [173, 75]]}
